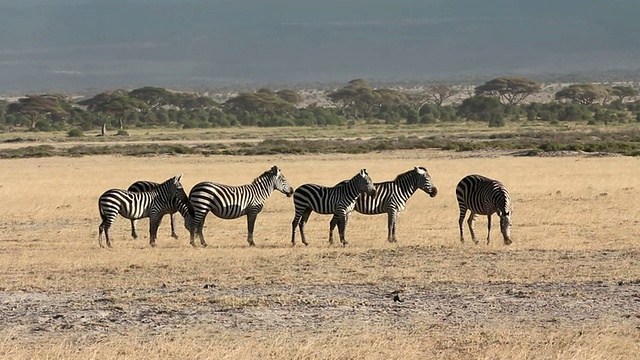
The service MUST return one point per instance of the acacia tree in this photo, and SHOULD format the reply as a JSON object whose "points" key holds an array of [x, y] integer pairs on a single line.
{"points": [[439, 93], [116, 104], [152, 97], [37, 107], [624, 92], [261, 102], [289, 96], [186, 101], [585, 94], [511, 90], [357, 97]]}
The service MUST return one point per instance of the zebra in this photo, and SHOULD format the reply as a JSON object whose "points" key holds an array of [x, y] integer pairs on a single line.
{"points": [[484, 196], [153, 204], [232, 202], [143, 186], [391, 197], [338, 200]]}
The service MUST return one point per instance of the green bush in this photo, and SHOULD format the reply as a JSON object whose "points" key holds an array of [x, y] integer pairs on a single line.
{"points": [[75, 133]]}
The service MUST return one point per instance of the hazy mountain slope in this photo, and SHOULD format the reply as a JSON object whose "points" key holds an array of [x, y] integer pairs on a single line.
{"points": [[78, 44]]}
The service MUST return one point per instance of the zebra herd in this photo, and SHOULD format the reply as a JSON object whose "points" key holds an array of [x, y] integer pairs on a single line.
{"points": [[475, 193]]}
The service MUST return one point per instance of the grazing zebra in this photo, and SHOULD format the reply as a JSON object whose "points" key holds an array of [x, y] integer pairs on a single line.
{"points": [[391, 197], [232, 202], [153, 204], [338, 200], [143, 186], [484, 196]]}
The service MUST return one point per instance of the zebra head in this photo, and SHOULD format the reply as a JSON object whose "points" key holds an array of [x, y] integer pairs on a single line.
{"points": [[505, 225], [281, 183], [176, 191], [424, 181], [364, 184]]}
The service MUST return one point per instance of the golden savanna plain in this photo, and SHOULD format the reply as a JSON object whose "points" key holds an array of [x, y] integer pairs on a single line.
{"points": [[567, 288]]}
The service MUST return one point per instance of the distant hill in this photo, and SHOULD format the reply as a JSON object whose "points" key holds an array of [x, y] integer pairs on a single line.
{"points": [[76, 44]]}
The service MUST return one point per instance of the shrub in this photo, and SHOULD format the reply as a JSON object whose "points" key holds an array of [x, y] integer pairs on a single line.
{"points": [[75, 133]]}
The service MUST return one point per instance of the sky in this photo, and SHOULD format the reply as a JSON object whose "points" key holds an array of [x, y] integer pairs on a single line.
{"points": [[74, 45]]}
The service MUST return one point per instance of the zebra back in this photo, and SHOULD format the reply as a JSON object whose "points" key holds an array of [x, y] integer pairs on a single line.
{"points": [[142, 186]]}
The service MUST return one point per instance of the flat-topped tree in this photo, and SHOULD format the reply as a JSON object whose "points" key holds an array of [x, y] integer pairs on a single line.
{"points": [[585, 94], [37, 107], [115, 103], [624, 92], [153, 97], [357, 98], [511, 90]]}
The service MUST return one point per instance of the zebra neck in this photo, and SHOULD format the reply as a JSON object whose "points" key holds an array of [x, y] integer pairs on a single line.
{"points": [[405, 194], [352, 191], [262, 187]]}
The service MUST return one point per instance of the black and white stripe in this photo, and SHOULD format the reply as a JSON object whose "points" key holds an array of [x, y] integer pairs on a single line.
{"points": [[483, 196], [144, 186], [338, 200], [232, 202], [153, 204], [392, 196]]}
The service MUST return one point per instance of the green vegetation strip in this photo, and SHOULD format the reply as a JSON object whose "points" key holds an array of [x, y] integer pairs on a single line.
{"points": [[532, 144]]}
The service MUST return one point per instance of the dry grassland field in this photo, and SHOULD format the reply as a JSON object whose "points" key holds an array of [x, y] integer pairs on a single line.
{"points": [[567, 288]]}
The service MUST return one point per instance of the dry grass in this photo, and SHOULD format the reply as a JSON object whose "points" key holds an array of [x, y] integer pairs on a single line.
{"points": [[575, 226]]}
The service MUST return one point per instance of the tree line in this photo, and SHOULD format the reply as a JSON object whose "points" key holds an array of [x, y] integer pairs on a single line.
{"points": [[495, 103]]}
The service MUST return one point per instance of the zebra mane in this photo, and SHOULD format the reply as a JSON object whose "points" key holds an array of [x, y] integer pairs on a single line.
{"points": [[265, 175], [408, 173]]}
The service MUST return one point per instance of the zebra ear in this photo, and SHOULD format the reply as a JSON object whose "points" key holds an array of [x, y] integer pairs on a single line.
{"points": [[363, 172], [177, 179], [420, 170]]}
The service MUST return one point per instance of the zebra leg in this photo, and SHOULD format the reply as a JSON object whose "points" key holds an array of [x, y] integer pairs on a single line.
{"points": [[303, 222], [197, 226], [342, 226], [104, 227], [251, 222], [100, 231], [106, 235], [391, 222], [193, 228], [133, 229], [294, 225], [332, 226], [192, 236], [463, 212], [154, 223], [201, 235], [472, 218], [488, 229], [173, 226]]}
